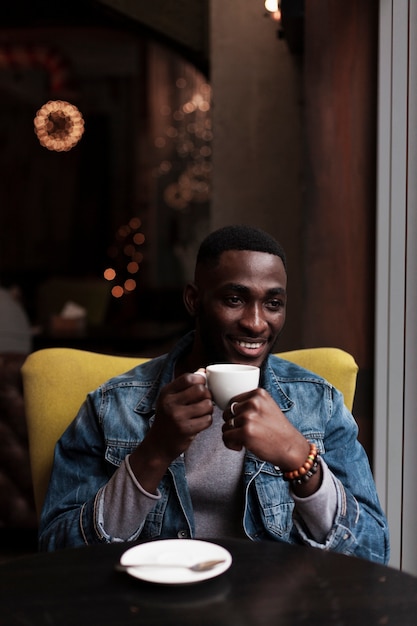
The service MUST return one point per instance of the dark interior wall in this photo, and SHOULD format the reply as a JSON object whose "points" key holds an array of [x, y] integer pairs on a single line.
{"points": [[258, 141], [340, 87]]}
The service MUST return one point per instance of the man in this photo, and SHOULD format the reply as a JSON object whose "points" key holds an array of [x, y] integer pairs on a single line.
{"points": [[149, 455]]}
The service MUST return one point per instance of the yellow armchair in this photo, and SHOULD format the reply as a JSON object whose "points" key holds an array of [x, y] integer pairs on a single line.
{"points": [[57, 380]]}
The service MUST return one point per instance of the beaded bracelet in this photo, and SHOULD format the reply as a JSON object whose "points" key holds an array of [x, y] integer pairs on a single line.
{"points": [[306, 477], [307, 469]]}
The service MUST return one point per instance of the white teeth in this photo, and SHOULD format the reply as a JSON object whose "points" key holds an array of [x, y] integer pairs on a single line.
{"points": [[250, 346]]}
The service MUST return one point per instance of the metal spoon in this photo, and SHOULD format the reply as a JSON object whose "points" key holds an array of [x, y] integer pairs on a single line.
{"points": [[202, 566]]}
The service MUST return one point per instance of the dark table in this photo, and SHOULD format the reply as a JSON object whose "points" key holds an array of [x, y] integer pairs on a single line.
{"points": [[268, 584]]}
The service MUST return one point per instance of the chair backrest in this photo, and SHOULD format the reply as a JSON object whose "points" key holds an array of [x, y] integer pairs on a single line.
{"points": [[57, 380]]}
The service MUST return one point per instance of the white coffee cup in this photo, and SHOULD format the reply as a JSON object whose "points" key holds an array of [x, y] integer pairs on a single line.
{"points": [[227, 380]]}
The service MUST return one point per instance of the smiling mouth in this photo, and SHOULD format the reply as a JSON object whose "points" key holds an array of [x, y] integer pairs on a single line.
{"points": [[251, 345]]}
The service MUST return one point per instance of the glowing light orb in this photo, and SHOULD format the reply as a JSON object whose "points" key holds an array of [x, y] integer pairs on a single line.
{"points": [[59, 125]]}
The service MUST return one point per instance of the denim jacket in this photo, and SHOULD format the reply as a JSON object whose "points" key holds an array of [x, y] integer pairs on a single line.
{"points": [[115, 418]]}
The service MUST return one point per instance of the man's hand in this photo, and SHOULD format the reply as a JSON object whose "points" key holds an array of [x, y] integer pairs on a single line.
{"points": [[183, 410], [258, 424]]}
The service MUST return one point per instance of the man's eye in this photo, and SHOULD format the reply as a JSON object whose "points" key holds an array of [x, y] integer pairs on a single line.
{"points": [[233, 300], [275, 304]]}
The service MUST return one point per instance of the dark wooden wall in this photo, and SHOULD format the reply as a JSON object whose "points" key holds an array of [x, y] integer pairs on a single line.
{"points": [[340, 80]]}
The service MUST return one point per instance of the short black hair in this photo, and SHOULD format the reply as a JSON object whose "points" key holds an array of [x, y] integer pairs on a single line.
{"points": [[238, 237]]}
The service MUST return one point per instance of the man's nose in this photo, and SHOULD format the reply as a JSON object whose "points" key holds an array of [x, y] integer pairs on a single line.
{"points": [[254, 318]]}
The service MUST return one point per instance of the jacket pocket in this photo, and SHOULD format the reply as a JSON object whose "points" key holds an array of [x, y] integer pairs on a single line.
{"points": [[275, 503], [117, 451]]}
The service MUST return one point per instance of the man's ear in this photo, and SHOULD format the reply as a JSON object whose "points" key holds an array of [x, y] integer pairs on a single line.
{"points": [[191, 299]]}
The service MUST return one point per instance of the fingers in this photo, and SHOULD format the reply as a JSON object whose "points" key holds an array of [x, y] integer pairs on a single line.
{"points": [[186, 398], [243, 406], [186, 390], [202, 372], [184, 409], [255, 422], [232, 423], [185, 381], [232, 433], [243, 420]]}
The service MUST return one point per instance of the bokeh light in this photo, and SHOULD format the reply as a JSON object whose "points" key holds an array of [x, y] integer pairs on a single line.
{"points": [[59, 125], [109, 273], [126, 257]]}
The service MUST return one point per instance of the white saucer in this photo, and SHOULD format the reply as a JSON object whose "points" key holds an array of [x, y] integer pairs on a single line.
{"points": [[169, 551]]}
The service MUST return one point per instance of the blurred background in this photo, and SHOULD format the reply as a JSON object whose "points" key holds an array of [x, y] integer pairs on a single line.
{"points": [[194, 116], [174, 119]]}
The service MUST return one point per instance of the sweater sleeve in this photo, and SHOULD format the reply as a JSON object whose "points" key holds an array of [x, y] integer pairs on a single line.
{"points": [[123, 505], [318, 510]]}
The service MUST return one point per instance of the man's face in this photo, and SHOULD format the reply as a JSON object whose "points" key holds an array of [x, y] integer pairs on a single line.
{"points": [[240, 306]]}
